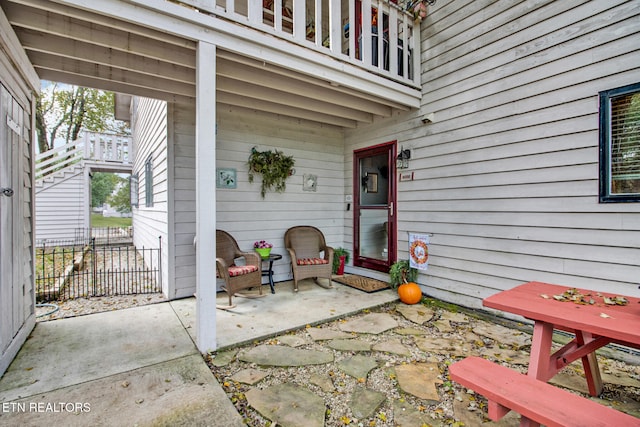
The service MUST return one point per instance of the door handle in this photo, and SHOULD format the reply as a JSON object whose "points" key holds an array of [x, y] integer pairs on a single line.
{"points": [[391, 208], [6, 191]]}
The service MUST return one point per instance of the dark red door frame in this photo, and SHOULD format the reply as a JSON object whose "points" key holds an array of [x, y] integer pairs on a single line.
{"points": [[389, 148]]}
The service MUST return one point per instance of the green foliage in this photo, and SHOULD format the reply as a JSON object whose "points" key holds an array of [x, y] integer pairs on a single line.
{"points": [[401, 272], [121, 200], [97, 220], [337, 253], [274, 167], [63, 111], [102, 185]]}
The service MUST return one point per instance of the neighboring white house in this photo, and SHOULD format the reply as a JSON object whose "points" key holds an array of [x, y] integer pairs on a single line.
{"points": [[63, 183], [497, 104]]}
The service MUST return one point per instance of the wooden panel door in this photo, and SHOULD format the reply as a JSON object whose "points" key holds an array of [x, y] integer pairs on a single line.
{"points": [[11, 293]]}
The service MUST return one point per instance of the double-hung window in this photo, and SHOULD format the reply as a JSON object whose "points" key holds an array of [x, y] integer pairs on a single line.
{"points": [[133, 189], [620, 144], [148, 182]]}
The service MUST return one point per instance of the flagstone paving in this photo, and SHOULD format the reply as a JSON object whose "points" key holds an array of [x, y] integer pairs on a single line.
{"points": [[387, 368], [271, 355], [288, 405]]}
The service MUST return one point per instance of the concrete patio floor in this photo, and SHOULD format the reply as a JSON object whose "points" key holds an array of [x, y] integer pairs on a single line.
{"points": [[273, 314], [140, 366]]}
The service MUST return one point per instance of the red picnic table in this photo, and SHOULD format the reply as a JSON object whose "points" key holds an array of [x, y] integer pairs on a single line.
{"points": [[589, 315]]}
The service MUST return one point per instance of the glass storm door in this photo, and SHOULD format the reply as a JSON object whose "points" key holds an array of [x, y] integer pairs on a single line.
{"points": [[374, 207]]}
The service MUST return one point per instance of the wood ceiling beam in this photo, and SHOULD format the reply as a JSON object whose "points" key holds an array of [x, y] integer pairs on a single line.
{"points": [[51, 23], [87, 16], [101, 72], [284, 110], [299, 101], [262, 65], [48, 43], [234, 70], [113, 86]]}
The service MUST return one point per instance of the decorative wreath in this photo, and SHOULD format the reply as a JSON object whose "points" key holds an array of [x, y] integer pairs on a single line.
{"points": [[419, 251]]}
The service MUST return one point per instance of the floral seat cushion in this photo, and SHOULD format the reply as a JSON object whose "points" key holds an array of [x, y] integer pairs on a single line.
{"points": [[312, 261], [239, 270]]}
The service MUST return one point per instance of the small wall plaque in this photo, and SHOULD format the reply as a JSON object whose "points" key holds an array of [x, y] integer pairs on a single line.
{"points": [[226, 178], [309, 182]]}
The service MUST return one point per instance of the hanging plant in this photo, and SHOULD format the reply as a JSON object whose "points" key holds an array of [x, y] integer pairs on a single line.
{"points": [[274, 167]]}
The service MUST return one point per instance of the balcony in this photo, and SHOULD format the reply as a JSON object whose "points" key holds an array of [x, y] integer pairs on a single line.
{"points": [[325, 26], [337, 62]]}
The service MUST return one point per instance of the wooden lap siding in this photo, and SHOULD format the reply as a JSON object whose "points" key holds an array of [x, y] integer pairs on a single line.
{"points": [[506, 175]]}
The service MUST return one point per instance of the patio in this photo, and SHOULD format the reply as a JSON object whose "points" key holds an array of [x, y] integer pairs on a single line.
{"points": [[140, 365]]}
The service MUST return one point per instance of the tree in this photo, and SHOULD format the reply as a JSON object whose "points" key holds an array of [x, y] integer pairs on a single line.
{"points": [[63, 111], [121, 200], [102, 185]]}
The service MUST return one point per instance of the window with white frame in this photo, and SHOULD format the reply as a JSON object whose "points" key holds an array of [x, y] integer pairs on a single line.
{"points": [[133, 190], [148, 182], [620, 144]]}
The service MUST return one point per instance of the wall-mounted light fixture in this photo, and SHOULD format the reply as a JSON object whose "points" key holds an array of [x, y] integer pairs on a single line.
{"points": [[402, 161]]}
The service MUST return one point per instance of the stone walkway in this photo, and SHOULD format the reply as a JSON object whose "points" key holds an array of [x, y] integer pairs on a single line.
{"points": [[388, 368]]}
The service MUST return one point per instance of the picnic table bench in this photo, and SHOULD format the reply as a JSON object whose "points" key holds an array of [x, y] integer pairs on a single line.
{"points": [[537, 401]]}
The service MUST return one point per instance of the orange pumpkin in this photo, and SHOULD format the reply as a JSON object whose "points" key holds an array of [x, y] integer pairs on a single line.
{"points": [[410, 293]]}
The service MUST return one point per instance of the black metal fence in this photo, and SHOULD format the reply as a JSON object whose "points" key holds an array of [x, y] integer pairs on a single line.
{"points": [[99, 235], [66, 271]]}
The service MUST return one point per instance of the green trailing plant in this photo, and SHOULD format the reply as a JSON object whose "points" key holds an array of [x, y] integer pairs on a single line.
{"points": [[337, 253], [402, 272], [274, 167]]}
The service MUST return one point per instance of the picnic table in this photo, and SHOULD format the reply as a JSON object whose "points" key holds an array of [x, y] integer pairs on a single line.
{"points": [[596, 319]]}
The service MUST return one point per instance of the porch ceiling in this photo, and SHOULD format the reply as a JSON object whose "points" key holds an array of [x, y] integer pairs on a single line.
{"points": [[75, 46]]}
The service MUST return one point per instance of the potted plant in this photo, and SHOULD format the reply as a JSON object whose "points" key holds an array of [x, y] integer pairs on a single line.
{"points": [[274, 167], [340, 258], [263, 248], [403, 278]]}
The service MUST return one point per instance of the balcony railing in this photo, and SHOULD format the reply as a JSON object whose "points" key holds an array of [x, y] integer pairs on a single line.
{"points": [[326, 25], [94, 146]]}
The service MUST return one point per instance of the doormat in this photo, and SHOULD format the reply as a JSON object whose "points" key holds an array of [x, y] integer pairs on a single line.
{"points": [[365, 284]]}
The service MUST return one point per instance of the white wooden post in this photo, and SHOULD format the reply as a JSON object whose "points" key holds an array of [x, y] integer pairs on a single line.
{"points": [[277, 15], [97, 148], [255, 11], [416, 54], [335, 26], [87, 145], [379, 34], [205, 197], [393, 40], [299, 20], [318, 23], [365, 39]]}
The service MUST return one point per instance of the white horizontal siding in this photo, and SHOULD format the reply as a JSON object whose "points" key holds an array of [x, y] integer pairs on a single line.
{"points": [[60, 205], [150, 224], [241, 211], [183, 204], [316, 149], [506, 177]]}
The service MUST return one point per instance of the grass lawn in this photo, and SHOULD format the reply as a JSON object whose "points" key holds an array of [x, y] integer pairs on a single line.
{"points": [[98, 220]]}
